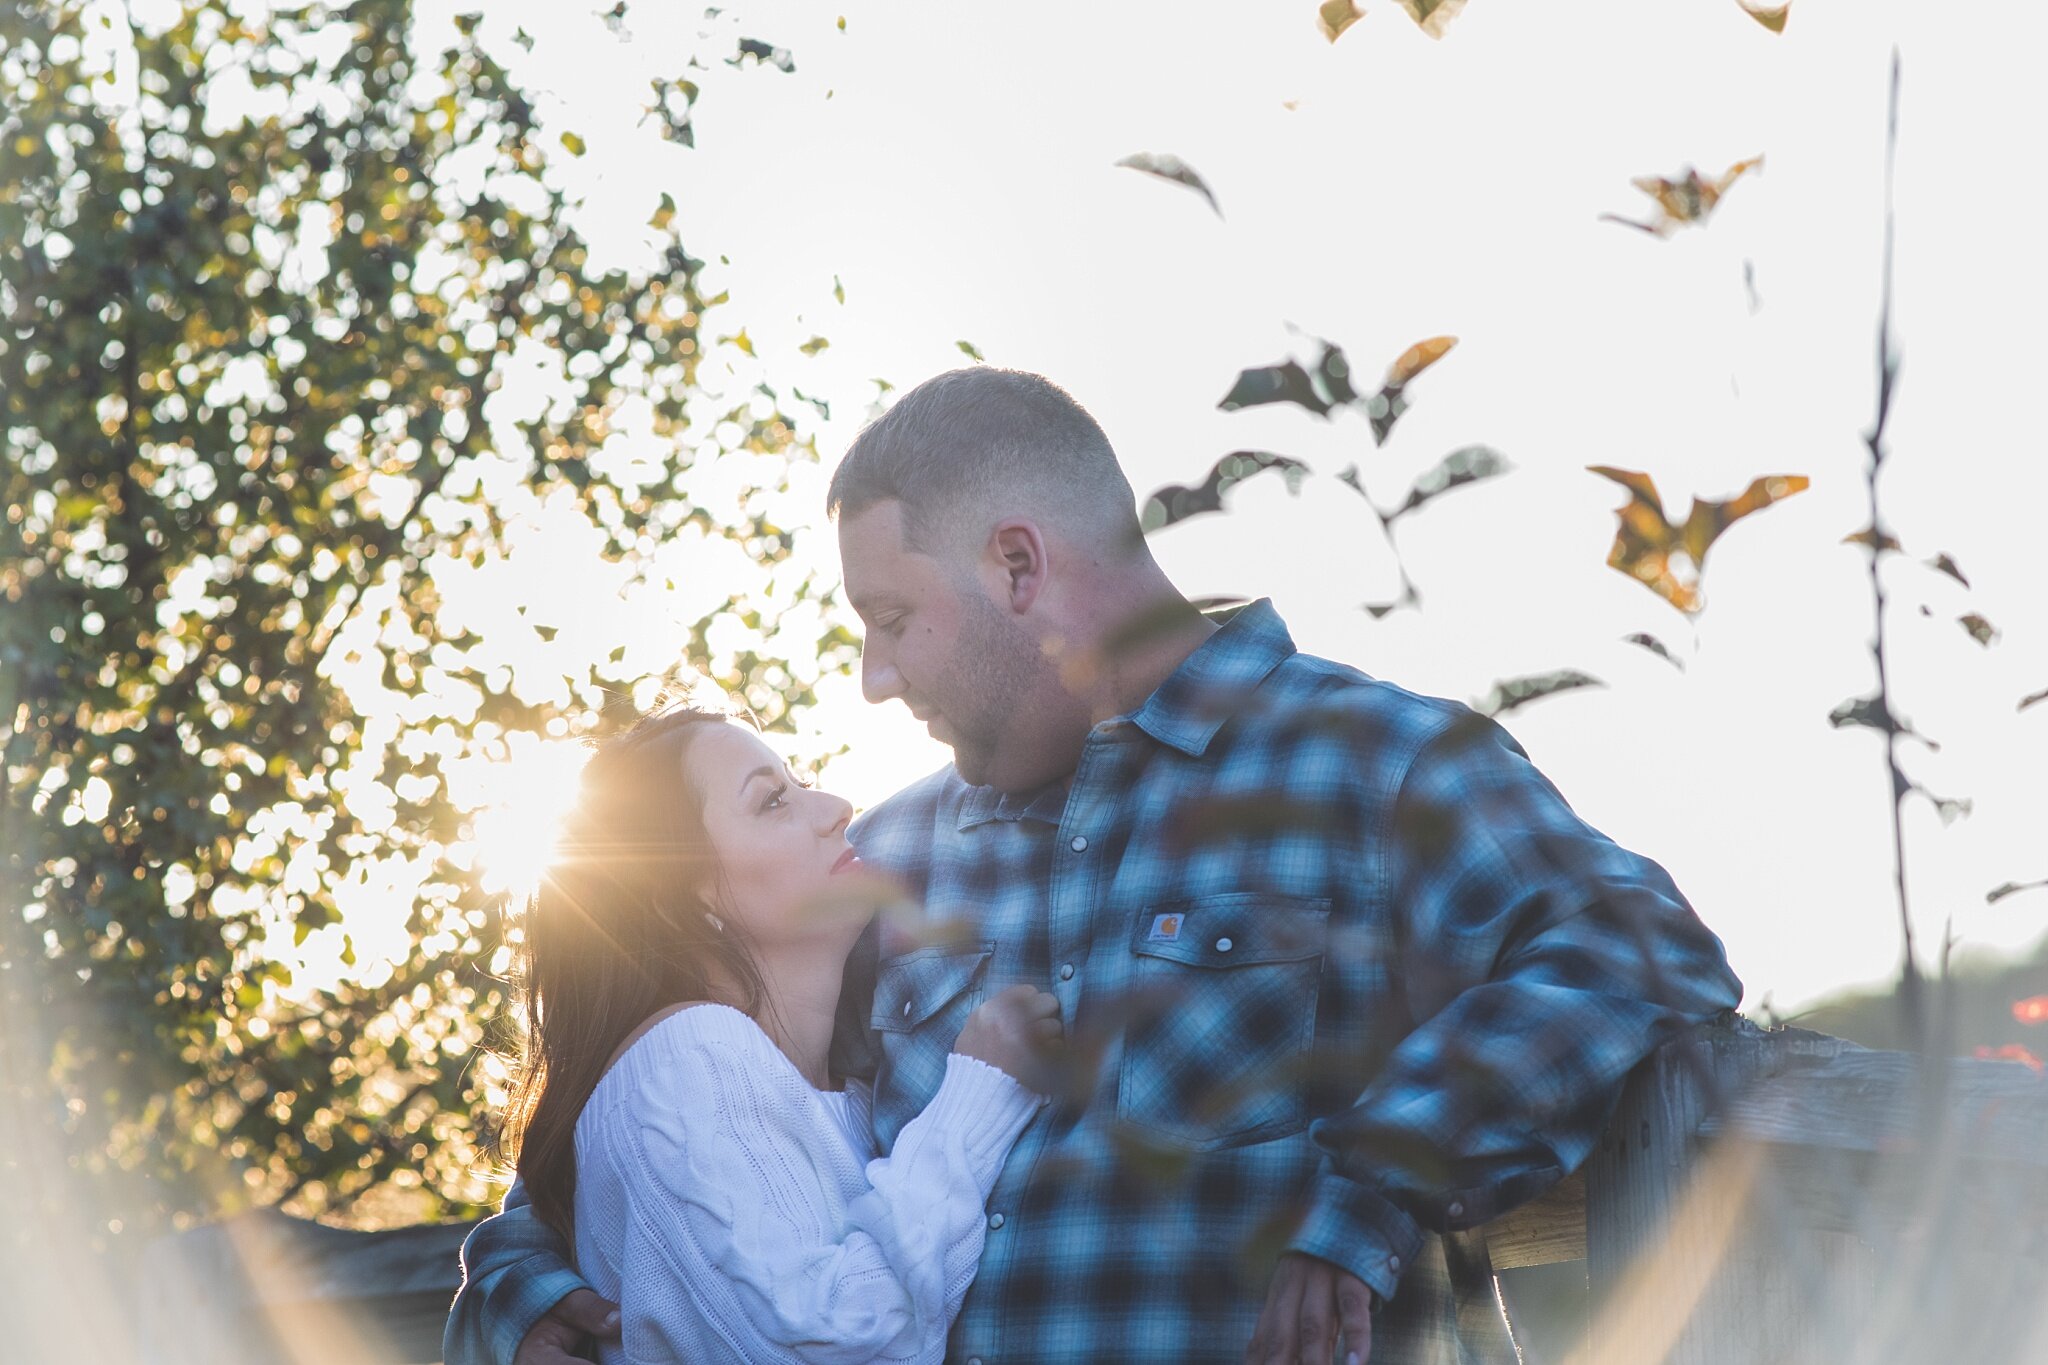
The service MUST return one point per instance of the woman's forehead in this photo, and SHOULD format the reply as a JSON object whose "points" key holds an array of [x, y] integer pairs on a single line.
{"points": [[729, 749]]}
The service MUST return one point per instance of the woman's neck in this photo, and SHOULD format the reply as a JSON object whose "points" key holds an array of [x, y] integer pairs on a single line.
{"points": [[801, 1006]]}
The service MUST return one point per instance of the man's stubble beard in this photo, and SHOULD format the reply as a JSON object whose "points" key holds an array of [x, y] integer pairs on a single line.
{"points": [[987, 690]]}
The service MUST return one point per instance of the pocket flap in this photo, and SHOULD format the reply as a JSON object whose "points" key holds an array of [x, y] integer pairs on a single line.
{"points": [[1232, 930], [912, 988]]}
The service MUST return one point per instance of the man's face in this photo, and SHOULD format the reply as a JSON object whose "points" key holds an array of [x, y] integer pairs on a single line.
{"points": [[953, 654]]}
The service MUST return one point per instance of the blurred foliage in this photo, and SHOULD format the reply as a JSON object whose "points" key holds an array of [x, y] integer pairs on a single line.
{"points": [[1669, 558], [1169, 167], [1978, 1004], [299, 341], [1334, 16], [1686, 201], [1177, 502], [1770, 16]]}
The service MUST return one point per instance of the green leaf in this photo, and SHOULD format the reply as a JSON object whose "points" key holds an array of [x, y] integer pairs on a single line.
{"points": [[1168, 167], [1513, 693]]}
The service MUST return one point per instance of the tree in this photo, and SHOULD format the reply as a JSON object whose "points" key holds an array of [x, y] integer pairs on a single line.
{"points": [[299, 342]]}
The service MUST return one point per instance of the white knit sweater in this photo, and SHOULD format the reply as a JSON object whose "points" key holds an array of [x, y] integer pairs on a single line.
{"points": [[718, 1201]]}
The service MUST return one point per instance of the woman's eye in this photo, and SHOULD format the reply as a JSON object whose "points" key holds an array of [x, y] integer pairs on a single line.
{"points": [[775, 801]]}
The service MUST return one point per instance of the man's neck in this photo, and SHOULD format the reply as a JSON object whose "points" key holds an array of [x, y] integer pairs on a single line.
{"points": [[1142, 647]]}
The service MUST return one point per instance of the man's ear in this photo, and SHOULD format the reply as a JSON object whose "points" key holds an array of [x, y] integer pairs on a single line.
{"points": [[1017, 553]]}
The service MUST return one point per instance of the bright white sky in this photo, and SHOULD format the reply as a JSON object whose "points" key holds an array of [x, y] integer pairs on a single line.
{"points": [[953, 166]]}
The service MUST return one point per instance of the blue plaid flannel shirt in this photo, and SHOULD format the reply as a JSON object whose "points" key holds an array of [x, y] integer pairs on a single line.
{"points": [[1340, 969]]}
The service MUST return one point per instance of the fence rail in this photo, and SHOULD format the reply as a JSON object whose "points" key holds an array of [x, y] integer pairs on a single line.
{"points": [[1758, 1196]]}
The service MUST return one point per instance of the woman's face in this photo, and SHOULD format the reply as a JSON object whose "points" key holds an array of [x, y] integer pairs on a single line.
{"points": [[781, 847]]}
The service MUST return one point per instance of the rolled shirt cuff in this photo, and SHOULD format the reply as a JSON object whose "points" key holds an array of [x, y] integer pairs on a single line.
{"points": [[521, 1298], [1358, 1231]]}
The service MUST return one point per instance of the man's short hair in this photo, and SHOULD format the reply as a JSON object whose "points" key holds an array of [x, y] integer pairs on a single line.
{"points": [[968, 447]]}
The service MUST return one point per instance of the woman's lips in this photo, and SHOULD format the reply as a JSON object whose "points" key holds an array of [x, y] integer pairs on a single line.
{"points": [[847, 862]]}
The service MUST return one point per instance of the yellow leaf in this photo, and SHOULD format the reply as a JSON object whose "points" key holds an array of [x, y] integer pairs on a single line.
{"points": [[1335, 16], [1669, 560], [1432, 15], [574, 143], [1690, 198], [1771, 17], [1418, 358]]}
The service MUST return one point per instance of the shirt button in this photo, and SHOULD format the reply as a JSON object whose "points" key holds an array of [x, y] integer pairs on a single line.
{"points": [[974, 1360], [1456, 1210], [1224, 945], [1394, 1264], [1080, 844], [906, 1009], [1066, 971], [995, 1220]]}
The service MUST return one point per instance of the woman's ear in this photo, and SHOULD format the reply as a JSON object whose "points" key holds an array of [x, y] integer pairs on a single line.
{"points": [[1018, 555]]}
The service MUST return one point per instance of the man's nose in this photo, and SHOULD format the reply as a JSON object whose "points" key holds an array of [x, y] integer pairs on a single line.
{"points": [[879, 680]]}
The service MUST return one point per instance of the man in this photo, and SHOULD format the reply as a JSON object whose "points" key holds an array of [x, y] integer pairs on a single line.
{"points": [[1342, 969]]}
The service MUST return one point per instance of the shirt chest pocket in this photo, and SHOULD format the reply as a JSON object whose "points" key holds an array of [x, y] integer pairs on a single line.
{"points": [[921, 1001], [1221, 1060]]}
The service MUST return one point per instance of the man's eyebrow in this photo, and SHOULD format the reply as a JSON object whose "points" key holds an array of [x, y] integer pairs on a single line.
{"points": [[765, 770]]}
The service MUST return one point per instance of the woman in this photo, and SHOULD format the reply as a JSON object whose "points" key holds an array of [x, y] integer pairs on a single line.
{"points": [[678, 1121]]}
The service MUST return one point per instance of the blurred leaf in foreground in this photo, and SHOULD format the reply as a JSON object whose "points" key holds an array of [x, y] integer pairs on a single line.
{"points": [[1432, 15], [1948, 566], [1167, 166], [1177, 502], [1512, 693], [1979, 629], [1771, 17], [1656, 646], [1874, 540], [1466, 465], [1691, 198], [1670, 560], [1334, 16], [766, 53], [1328, 385], [1287, 382], [1870, 713], [1386, 406]]}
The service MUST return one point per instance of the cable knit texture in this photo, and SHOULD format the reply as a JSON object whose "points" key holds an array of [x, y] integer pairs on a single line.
{"points": [[718, 1201]]}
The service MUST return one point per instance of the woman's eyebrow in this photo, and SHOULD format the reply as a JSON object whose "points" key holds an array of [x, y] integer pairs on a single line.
{"points": [[765, 770]]}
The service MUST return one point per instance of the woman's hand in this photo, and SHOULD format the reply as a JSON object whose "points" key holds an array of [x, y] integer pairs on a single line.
{"points": [[1013, 1031]]}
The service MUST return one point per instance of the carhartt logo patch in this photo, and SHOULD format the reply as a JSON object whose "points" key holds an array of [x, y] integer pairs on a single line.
{"points": [[1165, 928]]}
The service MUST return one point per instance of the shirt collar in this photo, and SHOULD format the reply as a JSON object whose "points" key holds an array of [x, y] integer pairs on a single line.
{"points": [[1215, 681], [983, 804]]}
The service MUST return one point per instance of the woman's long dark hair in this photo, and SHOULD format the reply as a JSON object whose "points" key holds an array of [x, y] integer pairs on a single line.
{"points": [[616, 930]]}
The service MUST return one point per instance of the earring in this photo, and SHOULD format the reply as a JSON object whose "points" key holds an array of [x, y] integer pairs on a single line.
{"points": [[717, 924]]}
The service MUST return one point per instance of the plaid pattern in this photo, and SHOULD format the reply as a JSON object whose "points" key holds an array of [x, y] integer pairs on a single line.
{"points": [[1340, 968]]}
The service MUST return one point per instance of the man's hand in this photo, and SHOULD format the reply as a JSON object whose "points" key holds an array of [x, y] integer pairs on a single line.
{"points": [[580, 1313], [1315, 1312]]}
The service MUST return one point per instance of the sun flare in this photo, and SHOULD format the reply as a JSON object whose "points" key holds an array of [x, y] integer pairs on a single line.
{"points": [[518, 831]]}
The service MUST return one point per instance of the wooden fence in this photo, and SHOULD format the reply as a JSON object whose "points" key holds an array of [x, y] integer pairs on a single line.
{"points": [[1760, 1196]]}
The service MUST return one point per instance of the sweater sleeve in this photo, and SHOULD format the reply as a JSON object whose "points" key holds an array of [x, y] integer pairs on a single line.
{"points": [[738, 1244]]}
